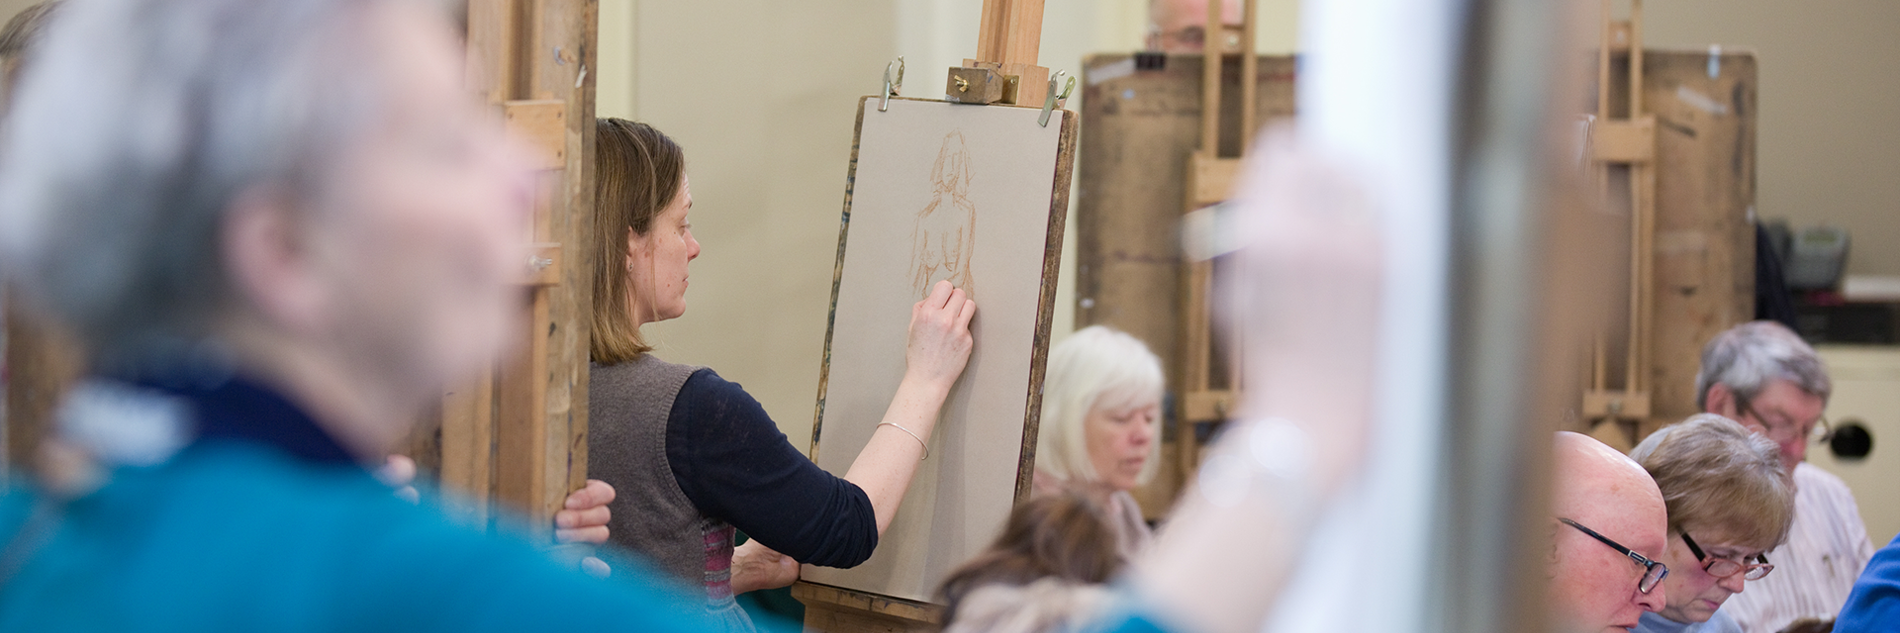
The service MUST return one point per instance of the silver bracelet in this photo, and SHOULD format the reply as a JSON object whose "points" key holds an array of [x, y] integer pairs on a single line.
{"points": [[920, 440]]}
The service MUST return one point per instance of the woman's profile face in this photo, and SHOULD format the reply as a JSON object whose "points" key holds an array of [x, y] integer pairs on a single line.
{"points": [[1120, 438], [657, 261], [1693, 595]]}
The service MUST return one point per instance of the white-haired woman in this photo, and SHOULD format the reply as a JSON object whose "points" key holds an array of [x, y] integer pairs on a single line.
{"points": [[1101, 411]]}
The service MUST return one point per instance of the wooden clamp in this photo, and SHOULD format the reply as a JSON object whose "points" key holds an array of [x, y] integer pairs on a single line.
{"points": [[1004, 70]]}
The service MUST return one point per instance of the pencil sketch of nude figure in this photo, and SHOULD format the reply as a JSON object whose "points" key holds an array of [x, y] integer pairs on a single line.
{"points": [[945, 237]]}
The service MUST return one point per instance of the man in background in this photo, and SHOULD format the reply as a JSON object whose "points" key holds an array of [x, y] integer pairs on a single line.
{"points": [[1180, 26], [1610, 526], [1764, 376]]}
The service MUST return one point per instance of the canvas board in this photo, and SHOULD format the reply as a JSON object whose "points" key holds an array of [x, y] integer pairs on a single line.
{"points": [[959, 192]]}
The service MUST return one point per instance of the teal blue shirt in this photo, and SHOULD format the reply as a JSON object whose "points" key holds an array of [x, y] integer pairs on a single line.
{"points": [[236, 537], [262, 522]]}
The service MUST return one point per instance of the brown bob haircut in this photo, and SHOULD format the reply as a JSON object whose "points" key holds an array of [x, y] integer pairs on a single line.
{"points": [[1062, 535], [1718, 477], [637, 174]]}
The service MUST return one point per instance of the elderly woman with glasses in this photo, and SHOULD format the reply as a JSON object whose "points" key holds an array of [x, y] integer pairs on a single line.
{"points": [[1729, 502]]}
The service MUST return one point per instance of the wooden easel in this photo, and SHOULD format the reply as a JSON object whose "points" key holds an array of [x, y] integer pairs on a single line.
{"points": [[1629, 142], [1003, 73], [1211, 178], [1679, 128], [519, 435]]}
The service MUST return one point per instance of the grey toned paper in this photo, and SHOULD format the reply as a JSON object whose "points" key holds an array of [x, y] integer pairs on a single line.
{"points": [[940, 191]]}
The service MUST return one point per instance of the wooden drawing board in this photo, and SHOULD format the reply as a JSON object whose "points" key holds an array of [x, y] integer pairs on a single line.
{"points": [[975, 194]]}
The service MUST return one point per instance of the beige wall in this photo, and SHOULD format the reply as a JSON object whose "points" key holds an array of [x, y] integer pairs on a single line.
{"points": [[1830, 108]]}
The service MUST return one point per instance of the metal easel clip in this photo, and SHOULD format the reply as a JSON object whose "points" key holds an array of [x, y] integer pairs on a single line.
{"points": [[1053, 101], [891, 86]]}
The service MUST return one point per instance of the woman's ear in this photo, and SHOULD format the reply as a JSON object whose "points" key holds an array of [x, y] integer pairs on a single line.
{"points": [[270, 261]]}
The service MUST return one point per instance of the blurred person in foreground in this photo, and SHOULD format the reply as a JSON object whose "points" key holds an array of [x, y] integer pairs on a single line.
{"points": [[1607, 536], [1099, 434], [50, 350], [1874, 605], [1729, 502], [279, 227], [1764, 376]]}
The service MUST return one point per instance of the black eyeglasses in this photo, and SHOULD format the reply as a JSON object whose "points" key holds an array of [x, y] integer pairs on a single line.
{"points": [[1723, 568], [1653, 572], [1785, 429]]}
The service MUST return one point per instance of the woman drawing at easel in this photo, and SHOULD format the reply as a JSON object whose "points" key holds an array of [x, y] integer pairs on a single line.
{"points": [[692, 455]]}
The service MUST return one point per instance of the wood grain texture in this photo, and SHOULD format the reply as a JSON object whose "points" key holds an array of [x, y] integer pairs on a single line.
{"points": [[838, 610], [1046, 305], [520, 438], [1140, 130], [1704, 192]]}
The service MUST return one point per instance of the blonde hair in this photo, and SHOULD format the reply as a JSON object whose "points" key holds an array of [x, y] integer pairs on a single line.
{"points": [[1096, 366], [638, 173], [1716, 474]]}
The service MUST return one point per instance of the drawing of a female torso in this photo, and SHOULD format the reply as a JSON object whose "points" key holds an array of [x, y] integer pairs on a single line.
{"points": [[944, 239]]}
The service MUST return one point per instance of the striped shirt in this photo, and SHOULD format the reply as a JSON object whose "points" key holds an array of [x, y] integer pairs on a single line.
{"points": [[1814, 571]]}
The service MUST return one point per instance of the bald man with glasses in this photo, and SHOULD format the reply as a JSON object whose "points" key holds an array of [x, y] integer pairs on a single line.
{"points": [[1609, 528]]}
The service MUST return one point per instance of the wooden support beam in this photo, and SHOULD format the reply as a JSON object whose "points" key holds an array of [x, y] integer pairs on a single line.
{"points": [[1624, 140], [1210, 179], [543, 124], [524, 429], [1009, 42]]}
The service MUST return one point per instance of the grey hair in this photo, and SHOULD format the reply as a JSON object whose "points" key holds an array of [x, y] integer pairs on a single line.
{"points": [[138, 125], [1749, 356], [1095, 366]]}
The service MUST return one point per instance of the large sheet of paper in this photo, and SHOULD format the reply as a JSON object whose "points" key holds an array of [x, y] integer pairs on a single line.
{"points": [[940, 191]]}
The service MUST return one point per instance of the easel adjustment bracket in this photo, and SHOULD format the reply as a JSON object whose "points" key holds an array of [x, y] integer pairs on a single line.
{"points": [[978, 84], [1624, 140], [1615, 405]]}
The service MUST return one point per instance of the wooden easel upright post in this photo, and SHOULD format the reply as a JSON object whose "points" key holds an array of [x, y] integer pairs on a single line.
{"points": [[519, 435], [1211, 179], [1629, 141], [1004, 70]]}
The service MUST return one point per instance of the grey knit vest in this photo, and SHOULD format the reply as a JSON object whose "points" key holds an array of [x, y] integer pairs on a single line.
{"points": [[627, 410]]}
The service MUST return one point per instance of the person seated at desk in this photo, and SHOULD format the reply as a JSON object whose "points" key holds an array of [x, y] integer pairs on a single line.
{"points": [[691, 455], [1764, 376], [1729, 501], [1609, 530], [1101, 409]]}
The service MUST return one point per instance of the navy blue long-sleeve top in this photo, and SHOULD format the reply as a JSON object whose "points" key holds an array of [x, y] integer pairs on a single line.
{"points": [[734, 464]]}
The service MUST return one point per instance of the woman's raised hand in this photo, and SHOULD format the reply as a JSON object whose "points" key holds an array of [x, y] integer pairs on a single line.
{"points": [[940, 340]]}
